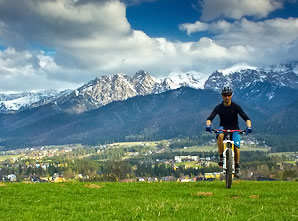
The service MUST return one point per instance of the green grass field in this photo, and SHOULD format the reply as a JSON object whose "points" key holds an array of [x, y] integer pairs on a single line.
{"points": [[247, 200]]}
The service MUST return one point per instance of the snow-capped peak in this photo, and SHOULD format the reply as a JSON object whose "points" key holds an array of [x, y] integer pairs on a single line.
{"points": [[109, 88], [142, 75], [190, 79], [283, 68], [15, 104], [236, 68], [18, 101]]}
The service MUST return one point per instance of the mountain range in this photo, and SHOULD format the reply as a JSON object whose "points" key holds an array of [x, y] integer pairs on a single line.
{"points": [[12, 103], [142, 107], [246, 80], [101, 91]]}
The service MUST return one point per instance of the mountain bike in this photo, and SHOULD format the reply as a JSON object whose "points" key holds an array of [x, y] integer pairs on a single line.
{"points": [[228, 154]]}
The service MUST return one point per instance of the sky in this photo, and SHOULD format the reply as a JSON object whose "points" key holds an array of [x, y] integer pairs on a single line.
{"points": [[60, 44]]}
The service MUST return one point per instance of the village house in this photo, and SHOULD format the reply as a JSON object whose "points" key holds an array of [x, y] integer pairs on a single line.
{"points": [[168, 178], [152, 179], [184, 179], [212, 175], [179, 159], [11, 178]]}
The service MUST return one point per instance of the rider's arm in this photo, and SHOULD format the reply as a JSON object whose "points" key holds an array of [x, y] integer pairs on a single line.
{"points": [[212, 116], [243, 115]]}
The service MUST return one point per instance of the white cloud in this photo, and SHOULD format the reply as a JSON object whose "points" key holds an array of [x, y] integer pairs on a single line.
{"points": [[26, 70], [196, 27], [199, 26], [267, 33], [236, 9], [267, 41], [264, 34], [136, 2], [61, 23], [91, 38]]}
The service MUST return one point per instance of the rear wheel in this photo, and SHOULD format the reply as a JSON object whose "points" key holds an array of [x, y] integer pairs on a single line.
{"points": [[229, 164]]}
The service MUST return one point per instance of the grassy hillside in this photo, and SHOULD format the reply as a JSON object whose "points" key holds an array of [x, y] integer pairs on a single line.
{"points": [[149, 201]]}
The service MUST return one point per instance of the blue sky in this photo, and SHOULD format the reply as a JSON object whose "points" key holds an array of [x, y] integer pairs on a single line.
{"points": [[161, 18], [63, 44]]}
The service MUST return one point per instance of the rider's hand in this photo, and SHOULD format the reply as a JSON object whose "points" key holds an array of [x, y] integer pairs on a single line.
{"points": [[208, 128], [248, 130]]}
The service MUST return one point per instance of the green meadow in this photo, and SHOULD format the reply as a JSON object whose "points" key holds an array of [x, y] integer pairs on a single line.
{"points": [[246, 200]]}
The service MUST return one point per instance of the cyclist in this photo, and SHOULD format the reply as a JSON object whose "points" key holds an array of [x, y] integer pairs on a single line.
{"points": [[228, 113]]}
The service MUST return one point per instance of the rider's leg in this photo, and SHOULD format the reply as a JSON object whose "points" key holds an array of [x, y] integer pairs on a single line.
{"points": [[220, 139], [237, 155], [236, 139], [237, 160]]}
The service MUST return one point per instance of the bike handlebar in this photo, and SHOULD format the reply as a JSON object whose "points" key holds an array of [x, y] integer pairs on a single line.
{"points": [[229, 131]]}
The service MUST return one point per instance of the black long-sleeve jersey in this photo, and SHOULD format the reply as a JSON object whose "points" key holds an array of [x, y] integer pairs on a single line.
{"points": [[228, 115]]}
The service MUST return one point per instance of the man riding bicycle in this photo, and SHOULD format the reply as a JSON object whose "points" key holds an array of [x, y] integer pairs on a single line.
{"points": [[228, 113]]}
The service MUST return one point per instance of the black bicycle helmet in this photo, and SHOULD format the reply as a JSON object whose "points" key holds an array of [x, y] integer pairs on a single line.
{"points": [[227, 90]]}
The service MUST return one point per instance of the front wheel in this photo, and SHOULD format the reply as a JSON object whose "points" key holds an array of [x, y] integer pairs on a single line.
{"points": [[229, 165]]}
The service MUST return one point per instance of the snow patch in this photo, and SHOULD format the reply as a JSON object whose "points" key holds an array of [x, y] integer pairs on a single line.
{"points": [[279, 69], [295, 70], [16, 104], [270, 95], [192, 79], [236, 68], [17, 101]]}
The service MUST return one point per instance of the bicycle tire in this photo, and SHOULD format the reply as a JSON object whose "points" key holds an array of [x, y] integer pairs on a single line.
{"points": [[229, 165]]}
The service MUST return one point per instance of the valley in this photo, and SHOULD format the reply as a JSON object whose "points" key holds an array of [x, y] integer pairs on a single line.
{"points": [[119, 127], [176, 159]]}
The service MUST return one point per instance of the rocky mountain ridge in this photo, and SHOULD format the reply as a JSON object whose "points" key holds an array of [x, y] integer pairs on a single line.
{"points": [[270, 89], [106, 89], [174, 113], [247, 81], [22, 101], [283, 75]]}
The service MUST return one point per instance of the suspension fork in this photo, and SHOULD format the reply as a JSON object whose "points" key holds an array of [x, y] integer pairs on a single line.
{"points": [[225, 146]]}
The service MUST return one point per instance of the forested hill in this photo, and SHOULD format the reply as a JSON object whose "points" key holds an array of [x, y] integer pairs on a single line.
{"points": [[180, 112], [176, 113]]}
